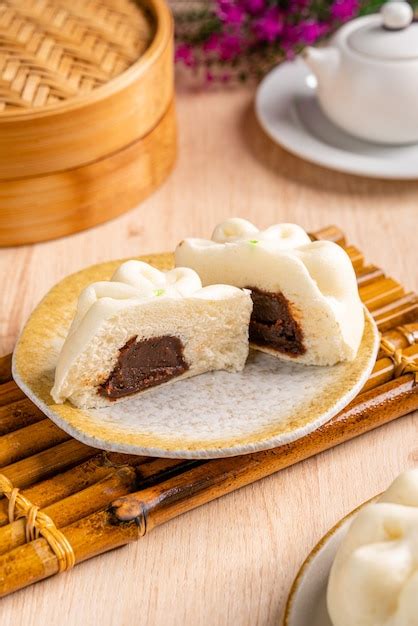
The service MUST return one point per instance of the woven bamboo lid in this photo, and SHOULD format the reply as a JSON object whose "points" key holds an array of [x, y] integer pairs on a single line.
{"points": [[55, 51], [69, 80]]}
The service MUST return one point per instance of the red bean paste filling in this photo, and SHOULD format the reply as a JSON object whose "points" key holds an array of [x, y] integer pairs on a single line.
{"points": [[272, 323], [144, 364]]}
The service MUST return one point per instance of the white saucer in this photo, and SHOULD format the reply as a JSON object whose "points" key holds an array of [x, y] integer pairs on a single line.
{"points": [[288, 111], [307, 601]]}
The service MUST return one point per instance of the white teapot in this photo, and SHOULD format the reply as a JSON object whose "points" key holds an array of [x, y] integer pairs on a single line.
{"points": [[368, 76]]}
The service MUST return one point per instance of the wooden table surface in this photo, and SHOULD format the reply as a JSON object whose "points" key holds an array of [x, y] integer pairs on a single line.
{"points": [[230, 562]]}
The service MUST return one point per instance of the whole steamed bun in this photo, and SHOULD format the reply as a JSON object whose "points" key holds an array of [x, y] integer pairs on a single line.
{"points": [[374, 578]]}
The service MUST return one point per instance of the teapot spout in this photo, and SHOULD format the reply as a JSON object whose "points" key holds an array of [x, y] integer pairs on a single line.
{"points": [[324, 62]]}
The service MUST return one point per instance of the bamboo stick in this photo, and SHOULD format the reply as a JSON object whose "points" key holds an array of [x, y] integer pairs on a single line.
{"points": [[76, 479], [142, 511], [61, 486], [48, 462], [396, 310], [117, 481], [10, 392], [18, 415], [331, 233], [402, 311], [35, 561], [153, 469], [401, 337], [382, 372], [30, 440], [79, 505], [368, 274], [5, 368], [356, 257], [102, 465], [385, 368], [380, 292], [388, 309]]}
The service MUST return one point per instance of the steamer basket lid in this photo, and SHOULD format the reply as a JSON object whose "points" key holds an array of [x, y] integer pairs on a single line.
{"points": [[52, 51]]}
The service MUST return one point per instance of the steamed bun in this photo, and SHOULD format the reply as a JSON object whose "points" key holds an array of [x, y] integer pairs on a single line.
{"points": [[374, 578]]}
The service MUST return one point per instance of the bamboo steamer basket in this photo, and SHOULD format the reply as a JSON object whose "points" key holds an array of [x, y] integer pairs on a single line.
{"points": [[87, 124]]}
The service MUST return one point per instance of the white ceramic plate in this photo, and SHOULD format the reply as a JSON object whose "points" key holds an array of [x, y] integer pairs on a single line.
{"points": [[217, 414], [306, 604], [287, 109]]}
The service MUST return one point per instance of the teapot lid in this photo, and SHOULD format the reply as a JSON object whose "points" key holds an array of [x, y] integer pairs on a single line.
{"points": [[389, 36]]}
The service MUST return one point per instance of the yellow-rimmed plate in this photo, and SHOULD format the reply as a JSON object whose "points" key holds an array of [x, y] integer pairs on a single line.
{"points": [[217, 414]]}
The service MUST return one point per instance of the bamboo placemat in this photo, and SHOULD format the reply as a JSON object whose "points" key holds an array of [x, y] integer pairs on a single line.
{"points": [[66, 502]]}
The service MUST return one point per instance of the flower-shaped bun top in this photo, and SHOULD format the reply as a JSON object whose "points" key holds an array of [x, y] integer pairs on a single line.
{"points": [[281, 254], [134, 282], [135, 279], [236, 229], [148, 281], [374, 578]]}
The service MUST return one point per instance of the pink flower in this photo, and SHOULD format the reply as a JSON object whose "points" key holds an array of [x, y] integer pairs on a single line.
{"points": [[246, 36], [289, 40], [295, 6], [230, 47], [227, 46], [344, 10], [254, 6], [269, 26], [211, 44], [184, 54], [229, 12], [311, 30]]}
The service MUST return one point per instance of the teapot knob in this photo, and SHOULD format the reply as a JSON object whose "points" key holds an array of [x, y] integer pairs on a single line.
{"points": [[396, 14]]}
